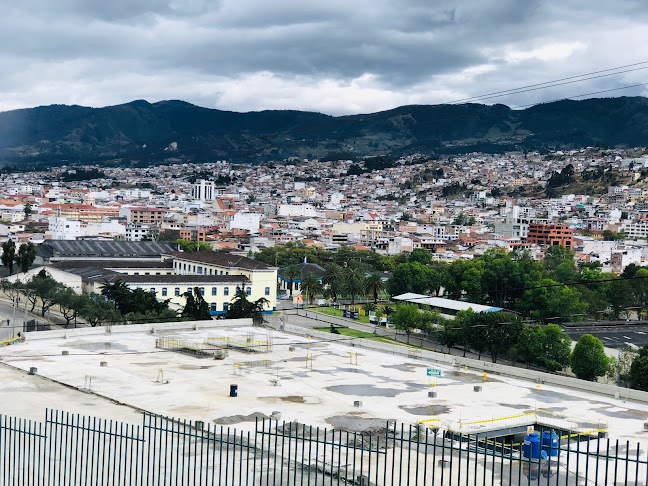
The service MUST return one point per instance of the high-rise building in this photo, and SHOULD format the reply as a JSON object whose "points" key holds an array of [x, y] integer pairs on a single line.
{"points": [[203, 190]]}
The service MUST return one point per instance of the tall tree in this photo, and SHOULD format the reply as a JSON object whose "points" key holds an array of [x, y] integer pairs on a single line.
{"points": [[555, 348], [332, 280], [196, 308], [26, 256], [638, 376], [241, 307], [374, 285], [406, 318], [354, 285], [588, 360], [27, 210], [291, 274], [9, 254], [311, 286]]}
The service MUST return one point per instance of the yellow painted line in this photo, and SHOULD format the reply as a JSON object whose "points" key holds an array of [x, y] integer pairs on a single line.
{"points": [[12, 340], [498, 419]]}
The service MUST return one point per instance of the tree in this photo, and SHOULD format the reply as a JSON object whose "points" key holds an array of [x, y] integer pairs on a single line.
{"points": [[411, 277], [27, 210], [26, 256], [95, 309], [332, 280], [638, 376], [8, 254], [241, 307], [196, 308], [557, 254], [502, 330], [555, 348], [193, 246], [527, 347], [550, 300], [374, 285], [69, 303], [41, 287], [354, 284], [311, 286], [420, 255], [133, 301], [588, 360], [292, 273], [452, 334], [406, 318]]}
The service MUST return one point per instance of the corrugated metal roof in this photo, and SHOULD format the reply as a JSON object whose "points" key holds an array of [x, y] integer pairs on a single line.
{"points": [[440, 303], [107, 248]]}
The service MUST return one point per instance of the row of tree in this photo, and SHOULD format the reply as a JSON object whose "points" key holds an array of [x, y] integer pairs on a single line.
{"points": [[504, 333], [552, 290], [351, 282], [118, 303], [24, 257]]}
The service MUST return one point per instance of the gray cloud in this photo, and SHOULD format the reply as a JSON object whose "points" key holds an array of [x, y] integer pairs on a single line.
{"points": [[336, 56]]}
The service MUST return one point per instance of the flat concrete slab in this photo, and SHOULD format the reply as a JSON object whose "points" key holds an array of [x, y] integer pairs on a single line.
{"points": [[304, 380]]}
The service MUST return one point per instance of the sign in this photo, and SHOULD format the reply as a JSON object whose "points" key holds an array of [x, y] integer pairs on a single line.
{"points": [[433, 372]]}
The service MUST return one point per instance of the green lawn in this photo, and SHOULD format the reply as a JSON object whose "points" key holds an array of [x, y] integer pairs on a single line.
{"points": [[332, 311], [345, 331]]}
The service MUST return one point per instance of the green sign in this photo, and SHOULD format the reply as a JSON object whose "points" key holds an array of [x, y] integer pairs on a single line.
{"points": [[433, 372]]}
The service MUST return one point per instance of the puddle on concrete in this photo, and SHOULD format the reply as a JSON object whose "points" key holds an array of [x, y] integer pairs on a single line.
{"points": [[96, 346], [292, 399], [625, 413], [520, 406], [193, 367], [465, 376], [365, 390], [406, 367], [426, 409], [548, 396]]}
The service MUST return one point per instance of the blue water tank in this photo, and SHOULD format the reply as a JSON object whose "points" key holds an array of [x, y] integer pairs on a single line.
{"points": [[550, 443], [531, 446]]}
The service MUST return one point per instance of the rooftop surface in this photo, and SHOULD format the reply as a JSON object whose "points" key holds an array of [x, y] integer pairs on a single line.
{"points": [[320, 391]]}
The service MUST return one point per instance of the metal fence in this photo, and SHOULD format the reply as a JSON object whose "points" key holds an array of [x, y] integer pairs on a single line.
{"points": [[69, 449]]}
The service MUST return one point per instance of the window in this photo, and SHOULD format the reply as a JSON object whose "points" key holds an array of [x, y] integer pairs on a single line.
{"points": [[176, 292], [202, 290], [248, 291], [200, 269], [164, 292], [213, 307], [214, 290], [226, 291], [189, 290], [267, 290], [152, 289], [226, 306]]}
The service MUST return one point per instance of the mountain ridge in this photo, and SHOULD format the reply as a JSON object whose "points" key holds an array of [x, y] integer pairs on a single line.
{"points": [[143, 131]]}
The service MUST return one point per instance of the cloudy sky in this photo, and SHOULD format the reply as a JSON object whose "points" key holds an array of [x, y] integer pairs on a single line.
{"points": [[332, 56]]}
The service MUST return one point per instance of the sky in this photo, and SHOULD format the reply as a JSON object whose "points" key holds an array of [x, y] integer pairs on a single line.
{"points": [[333, 56]]}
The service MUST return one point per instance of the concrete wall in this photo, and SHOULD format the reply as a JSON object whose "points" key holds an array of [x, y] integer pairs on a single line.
{"points": [[481, 366], [158, 326]]}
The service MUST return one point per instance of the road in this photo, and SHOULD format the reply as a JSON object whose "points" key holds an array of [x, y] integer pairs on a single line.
{"points": [[613, 336]]}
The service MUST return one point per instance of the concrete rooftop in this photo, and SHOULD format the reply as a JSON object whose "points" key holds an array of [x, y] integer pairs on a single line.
{"points": [[390, 387]]}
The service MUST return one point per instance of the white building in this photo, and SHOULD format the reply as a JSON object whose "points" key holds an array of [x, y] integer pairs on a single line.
{"points": [[246, 221], [294, 210], [203, 190]]}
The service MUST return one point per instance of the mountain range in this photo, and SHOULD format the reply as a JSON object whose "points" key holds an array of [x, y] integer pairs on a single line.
{"points": [[142, 132]]}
